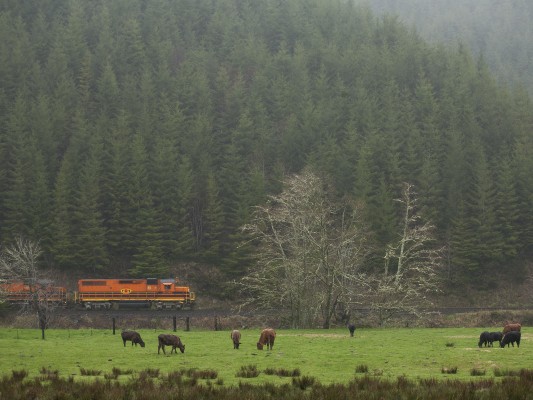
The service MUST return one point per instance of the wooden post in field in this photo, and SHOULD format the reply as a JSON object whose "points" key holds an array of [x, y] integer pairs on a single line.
{"points": [[187, 328], [174, 322], [113, 325]]}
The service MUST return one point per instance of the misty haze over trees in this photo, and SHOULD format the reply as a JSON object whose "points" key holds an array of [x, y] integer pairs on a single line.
{"points": [[500, 31], [136, 135]]}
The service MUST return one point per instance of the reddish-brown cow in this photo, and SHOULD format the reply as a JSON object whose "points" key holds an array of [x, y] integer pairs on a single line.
{"points": [[236, 338], [512, 327], [267, 338]]}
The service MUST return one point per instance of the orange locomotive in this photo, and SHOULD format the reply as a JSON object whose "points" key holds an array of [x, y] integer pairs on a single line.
{"points": [[18, 292], [151, 292]]}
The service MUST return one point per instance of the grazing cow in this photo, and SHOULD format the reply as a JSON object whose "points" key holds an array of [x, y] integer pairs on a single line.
{"points": [[267, 338], [236, 338], [351, 328], [510, 338], [133, 336], [170, 340], [495, 337], [511, 328], [484, 339]]}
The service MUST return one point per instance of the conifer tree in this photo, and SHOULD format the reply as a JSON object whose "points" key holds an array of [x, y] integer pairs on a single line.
{"points": [[63, 249], [213, 216], [90, 237], [145, 231]]}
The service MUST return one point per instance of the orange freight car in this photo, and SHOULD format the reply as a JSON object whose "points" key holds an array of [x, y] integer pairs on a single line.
{"points": [[152, 292], [18, 292]]}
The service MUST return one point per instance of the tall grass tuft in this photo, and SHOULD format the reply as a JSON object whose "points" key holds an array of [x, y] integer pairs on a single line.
{"points": [[90, 372], [282, 372], [526, 375], [149, 373], [18, 376], [303, 382], [175, 378], [449, 370], [361, 369], [477, 372], [248, 371], [505, 372], [118, 371], [201, 374], [48, 374]]}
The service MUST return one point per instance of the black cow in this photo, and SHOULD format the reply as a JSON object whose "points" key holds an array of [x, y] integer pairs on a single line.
{"points": [[170, 340], [495, 337], [133, 336], [351, 328], [484, 339], [511, 338]]}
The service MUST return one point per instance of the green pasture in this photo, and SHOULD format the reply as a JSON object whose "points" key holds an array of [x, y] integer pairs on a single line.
{"points": [[330, 356]]}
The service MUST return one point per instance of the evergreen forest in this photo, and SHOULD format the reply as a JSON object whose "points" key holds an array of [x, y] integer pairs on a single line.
{"points": [[136, 135]]}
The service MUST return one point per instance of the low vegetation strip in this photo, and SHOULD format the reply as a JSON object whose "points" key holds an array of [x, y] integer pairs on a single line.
{"points": [[15, 388], [304, 358]]}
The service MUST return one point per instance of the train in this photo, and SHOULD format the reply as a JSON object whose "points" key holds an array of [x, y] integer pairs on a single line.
{"points": [[93, 294], [19, 292]]}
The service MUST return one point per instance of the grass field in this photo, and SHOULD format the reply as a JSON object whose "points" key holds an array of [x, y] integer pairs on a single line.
{"points": [[330, 356]]}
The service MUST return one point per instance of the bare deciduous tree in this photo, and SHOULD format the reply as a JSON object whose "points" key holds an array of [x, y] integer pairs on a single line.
{"points": [[310, 249], [411, 267], [19, 263]]}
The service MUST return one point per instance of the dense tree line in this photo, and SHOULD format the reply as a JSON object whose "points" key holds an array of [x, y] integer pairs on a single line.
{"points": [[137, 134]]}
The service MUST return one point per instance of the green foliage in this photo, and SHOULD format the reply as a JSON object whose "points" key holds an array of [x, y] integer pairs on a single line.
{"points": [[139, 135]]}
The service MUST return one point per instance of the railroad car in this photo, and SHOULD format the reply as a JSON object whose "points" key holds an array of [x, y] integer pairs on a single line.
{"points": [[151, 292], [19, 292]]}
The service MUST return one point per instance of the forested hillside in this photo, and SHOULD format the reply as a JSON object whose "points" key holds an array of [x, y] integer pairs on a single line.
{"points": [[499, 31], [136, 135]]}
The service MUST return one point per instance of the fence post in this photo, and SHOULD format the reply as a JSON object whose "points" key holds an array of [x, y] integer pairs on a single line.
{"points": [[113, 325], [187, 324], [174, 322]]}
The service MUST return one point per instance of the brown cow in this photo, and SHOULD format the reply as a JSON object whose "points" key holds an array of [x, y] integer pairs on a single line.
{"points": [[267, 338], [511, 327], [236, 338], [133, 336], [170, 340]]}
